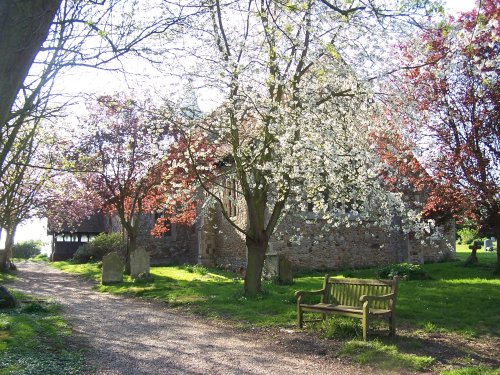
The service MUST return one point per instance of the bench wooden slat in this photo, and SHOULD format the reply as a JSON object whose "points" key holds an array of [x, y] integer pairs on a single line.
{"points": [[325, 306]]}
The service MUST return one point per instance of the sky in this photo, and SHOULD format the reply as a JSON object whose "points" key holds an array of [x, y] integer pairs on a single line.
{"points": [[36, 229]]}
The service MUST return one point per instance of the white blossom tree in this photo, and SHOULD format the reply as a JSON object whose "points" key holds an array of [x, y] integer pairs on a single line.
{"points": [[297, 78]]}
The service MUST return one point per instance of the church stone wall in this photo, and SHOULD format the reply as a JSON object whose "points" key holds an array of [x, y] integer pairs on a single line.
{"points": [[339, 248], [181, 246]]}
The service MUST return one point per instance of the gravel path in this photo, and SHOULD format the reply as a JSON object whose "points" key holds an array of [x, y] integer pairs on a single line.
{"points": [[133, 336]]}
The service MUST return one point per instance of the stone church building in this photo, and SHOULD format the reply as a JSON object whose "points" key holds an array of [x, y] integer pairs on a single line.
{"points": [[212, 241], [220, 244]]}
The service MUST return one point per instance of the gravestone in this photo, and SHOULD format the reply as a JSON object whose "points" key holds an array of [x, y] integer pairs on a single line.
{"points": [[139, 262], [271, 266], [285, 275], [112, 269], [488, 245]]}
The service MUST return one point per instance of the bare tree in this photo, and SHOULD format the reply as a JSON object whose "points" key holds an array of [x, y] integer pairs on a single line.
{"points": [[41, 39], [21, 185]]}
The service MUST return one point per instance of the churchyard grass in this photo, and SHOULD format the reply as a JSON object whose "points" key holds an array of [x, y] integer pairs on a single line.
{"points": [[6, 276], [457, 299], [34, 340], [387, 357]]}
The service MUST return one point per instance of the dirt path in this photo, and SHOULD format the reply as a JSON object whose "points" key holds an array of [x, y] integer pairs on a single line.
{"points": [[132, 336]]}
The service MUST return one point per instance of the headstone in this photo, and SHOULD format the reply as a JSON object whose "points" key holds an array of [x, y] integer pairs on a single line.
{"points": [[476, 245], [271, 266], [139, 262], [285, 271], [144, 277], [112, 269], [488, 245]]}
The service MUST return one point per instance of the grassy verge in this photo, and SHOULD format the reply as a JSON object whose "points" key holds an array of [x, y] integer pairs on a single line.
{"points": [[6, 276], [457, 300], [474, 370], [439, 304], [386, 357], [34, 340]]}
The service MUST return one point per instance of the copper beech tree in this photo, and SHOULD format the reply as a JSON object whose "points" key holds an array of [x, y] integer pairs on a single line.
{"points": [[132, 159], [454, 95]]}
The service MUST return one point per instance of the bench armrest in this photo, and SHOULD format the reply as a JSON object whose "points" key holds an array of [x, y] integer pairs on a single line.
{"points": [[300, 293], [365, 298]]}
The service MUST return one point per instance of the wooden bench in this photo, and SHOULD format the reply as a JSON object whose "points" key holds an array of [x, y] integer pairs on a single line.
{"points": [[358, 298]]}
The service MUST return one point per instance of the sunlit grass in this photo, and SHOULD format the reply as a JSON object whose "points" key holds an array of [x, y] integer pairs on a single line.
{"points": [[386, 357], [474, 370], [457, 299], [33, 340], [6, 277]]}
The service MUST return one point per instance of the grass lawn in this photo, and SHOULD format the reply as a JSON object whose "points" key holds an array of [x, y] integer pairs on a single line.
{"points": [[458, 303], [34, 340], [456, 299], [6, 276]]}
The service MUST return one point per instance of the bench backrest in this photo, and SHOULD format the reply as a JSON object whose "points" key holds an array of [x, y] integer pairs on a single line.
{"points": [[348, 291]]}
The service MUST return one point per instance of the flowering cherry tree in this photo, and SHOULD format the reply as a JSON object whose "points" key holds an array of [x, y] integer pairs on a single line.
{"points": [[297, 79], [455, 94], [122, 152], [67, 200]]}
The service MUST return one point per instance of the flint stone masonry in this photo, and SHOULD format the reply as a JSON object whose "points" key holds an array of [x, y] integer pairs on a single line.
{"points": [[339, 248], [139, 262], [112, 269], [179, 246]]}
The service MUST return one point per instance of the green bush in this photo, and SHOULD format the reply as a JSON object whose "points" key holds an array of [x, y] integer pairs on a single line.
{"points": [[101, 245], [26, 249], [197, 268], [467, 235], [40, 258], [407, 271]]}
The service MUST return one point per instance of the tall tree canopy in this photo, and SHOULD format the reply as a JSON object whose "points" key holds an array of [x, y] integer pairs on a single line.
{"points": [[455, 93], [41, 39], [298, 82]]}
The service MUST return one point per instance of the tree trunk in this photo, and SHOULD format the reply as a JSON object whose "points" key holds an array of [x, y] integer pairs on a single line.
{"points": [[131, 247], [255, 263], [9, 243], [24, 25], [496, 232]]}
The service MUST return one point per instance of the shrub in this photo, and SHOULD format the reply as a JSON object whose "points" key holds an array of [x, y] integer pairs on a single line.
{"points": [[197, 268], [40, 258], [26, 249], [407, 271], [467, 235], [101, 245]]}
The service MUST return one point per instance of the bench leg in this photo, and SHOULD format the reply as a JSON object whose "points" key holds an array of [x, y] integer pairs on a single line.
{"points": [[366, 321], [300, 317], [392, 325]]}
